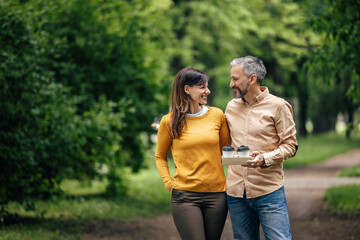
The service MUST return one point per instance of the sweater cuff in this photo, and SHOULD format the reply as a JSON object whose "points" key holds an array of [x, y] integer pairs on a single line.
{"points": [[169, 185]]}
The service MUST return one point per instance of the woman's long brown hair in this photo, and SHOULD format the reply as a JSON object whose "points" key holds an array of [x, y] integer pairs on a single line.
{"points": [[180, 100]]}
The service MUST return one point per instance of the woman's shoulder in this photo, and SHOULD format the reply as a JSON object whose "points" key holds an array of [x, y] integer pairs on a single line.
{"points": [[216, 113], [215, 110], [166, 117]]}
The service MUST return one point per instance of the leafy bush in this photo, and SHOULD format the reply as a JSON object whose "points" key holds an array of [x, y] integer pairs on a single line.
{"points": [[104, 48], [46, 135], [26, 94], [97, 150]]}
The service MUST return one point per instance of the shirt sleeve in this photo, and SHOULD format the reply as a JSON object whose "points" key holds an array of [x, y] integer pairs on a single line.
{"points": [[164, 141], [286, 132]]}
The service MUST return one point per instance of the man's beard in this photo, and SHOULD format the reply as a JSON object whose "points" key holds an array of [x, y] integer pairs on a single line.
{"points": [[241, 93]]}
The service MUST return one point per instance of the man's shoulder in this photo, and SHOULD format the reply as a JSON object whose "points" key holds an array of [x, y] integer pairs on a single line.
{"points": [[275, 98], [278, 102]]}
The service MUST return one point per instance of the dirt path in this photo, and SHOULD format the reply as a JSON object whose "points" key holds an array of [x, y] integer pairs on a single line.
{"points": [[304, 189]]}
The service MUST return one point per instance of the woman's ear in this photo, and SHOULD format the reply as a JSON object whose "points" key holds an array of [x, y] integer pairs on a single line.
{"points": [[187, 89]]}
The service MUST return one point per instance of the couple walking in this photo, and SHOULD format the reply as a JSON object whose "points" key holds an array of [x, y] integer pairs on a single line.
{"points": [[201, 196]]}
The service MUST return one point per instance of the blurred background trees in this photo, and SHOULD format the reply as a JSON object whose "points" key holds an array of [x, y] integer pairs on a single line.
{"points": [[336, 58], [81, 81]]}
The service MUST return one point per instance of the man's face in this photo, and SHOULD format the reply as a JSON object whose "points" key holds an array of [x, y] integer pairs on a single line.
{"points": [[239, 81]]}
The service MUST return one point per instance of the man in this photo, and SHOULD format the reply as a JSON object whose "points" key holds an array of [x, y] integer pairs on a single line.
{"points": [[264, 123]]}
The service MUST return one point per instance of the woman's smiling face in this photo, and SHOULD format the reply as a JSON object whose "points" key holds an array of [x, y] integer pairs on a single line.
{"points": [[198, 93]]}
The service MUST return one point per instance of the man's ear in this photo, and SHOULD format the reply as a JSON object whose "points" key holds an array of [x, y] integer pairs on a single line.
{"points": [[187, 89], [253, 79]]}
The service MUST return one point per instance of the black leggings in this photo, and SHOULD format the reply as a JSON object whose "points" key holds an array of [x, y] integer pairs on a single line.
{"points": [[199, 216]]}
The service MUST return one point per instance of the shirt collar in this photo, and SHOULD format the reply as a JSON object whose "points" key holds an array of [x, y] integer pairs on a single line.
{"points": [[258, 98], [263, 94]]}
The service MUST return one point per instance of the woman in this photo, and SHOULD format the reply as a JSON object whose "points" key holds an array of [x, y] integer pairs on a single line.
{"points": [[196, 134]]}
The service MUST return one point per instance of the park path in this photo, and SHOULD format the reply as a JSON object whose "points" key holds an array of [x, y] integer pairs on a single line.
{"points": [[304, 187]]}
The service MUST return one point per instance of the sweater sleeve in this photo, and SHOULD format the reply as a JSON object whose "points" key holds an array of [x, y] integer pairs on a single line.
{"points": [[164, 141], [224, 132]]}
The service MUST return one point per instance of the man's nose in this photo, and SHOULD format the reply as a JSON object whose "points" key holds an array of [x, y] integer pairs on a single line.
{"points": [[231, 85]]}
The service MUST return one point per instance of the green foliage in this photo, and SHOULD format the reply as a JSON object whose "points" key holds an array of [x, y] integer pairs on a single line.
{"points": [[52, 129], [106, 49], [338, 53], [349, 172], [335, 59], [96, 150], [33, 112], [343, 199]]}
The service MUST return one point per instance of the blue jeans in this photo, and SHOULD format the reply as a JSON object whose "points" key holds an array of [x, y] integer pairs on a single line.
{"points": [[269, 210]]}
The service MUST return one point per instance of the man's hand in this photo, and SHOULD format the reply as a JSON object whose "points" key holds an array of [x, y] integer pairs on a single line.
{"points": [[257, 160]]}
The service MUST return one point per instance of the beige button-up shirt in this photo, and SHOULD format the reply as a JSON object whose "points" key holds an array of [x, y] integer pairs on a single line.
{"points": [[266, 125]]}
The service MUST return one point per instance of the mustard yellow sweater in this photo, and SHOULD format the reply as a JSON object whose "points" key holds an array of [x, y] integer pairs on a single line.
{"points": [[197, 153]]}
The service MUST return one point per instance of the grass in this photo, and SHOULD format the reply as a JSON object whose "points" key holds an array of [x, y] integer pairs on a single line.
{"points": [[343, 199], [32, 229], [66, 218], [349, 172], [317, 148]]}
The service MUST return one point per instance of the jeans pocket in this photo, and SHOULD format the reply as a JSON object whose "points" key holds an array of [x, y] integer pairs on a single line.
{"points": [[176, 195]]}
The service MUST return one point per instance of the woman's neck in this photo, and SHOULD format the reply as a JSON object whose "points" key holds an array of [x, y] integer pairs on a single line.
{"points": [[195, 108]]}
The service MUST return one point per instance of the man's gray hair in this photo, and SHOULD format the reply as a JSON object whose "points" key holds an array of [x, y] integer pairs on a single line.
{"points": [[251, 65]]}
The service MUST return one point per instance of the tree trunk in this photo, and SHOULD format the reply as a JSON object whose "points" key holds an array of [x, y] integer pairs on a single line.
{"points": [[350, 108], [303, 96]]}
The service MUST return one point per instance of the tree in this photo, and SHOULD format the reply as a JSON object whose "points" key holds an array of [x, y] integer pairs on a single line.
{"points": [[34, 114], [337, 56], [105, 48], [78, 86]]}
